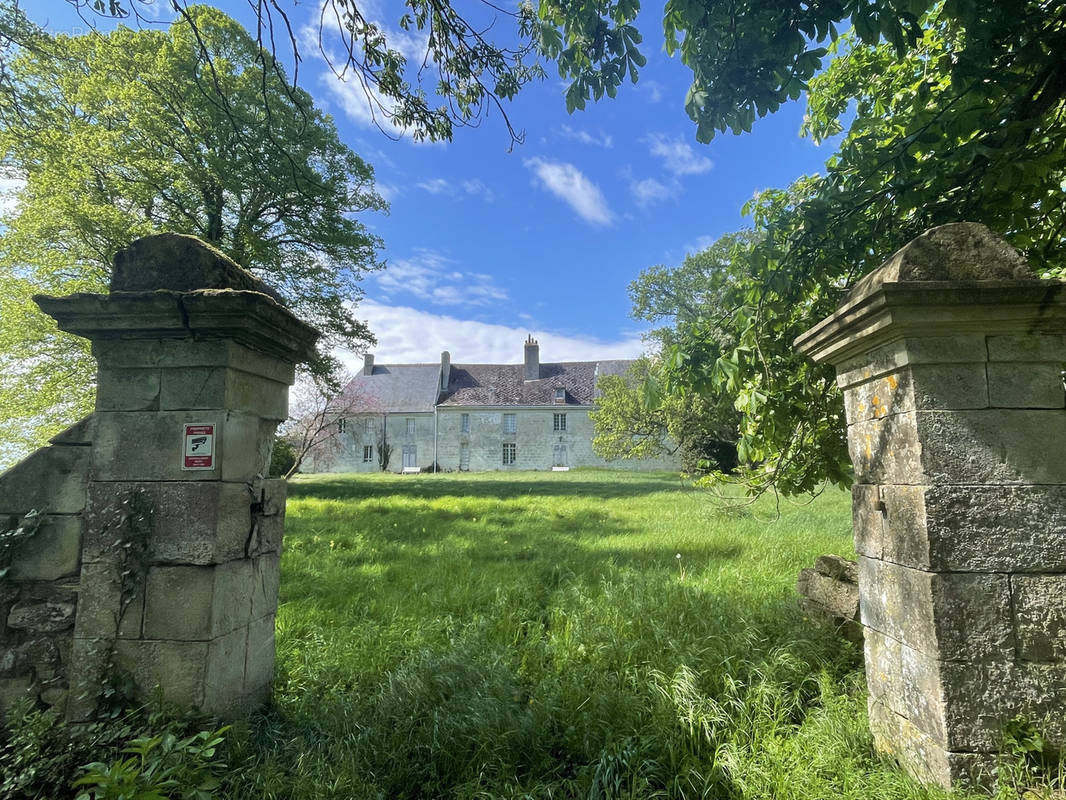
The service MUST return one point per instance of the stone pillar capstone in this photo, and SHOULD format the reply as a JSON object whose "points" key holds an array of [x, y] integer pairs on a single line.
{"points": [[951, 358], [181, 528]]}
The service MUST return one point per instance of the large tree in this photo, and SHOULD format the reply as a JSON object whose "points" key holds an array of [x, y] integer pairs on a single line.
{"points": [[133, 132], [947, 110]]}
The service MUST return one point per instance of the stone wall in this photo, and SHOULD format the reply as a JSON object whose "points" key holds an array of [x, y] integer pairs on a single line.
{"points": [[951, 357], [158, 551], [829, 593]]}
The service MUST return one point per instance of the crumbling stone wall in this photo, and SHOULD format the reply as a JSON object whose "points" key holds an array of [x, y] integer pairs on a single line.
{"points": [[149, 560], [829, 593], [950, 357]]}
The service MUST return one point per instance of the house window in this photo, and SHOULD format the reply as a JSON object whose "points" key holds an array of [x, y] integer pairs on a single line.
{"points": [[342, 425], [368, 453], [510, 424], [559, 422], [368, 425], [560, 394], [508, 453], [464, 423], [410, 427]]}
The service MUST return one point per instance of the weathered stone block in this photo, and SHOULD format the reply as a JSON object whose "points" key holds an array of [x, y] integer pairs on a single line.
{"points": [[834, 566], [941, 615], [89, 661], [1014, 385], [886, 450], [1027, 347], [174, 354], [969, 528], [259, 667], [266, 578], [126, 389], [190, 523], [884, 669], [892, 357], [918, 387], [224, 672], [202, 603], [991, 447], [219, 387], [1040, 616], [102, 610], [830, 596], [150, 446], [51, 480], [41, 617], [867, 520], [178, 668], [53, 552]]}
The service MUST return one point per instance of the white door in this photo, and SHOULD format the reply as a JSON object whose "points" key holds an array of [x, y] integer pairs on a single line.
{"points": [[464, 457], [410, 456], [559, 456]]}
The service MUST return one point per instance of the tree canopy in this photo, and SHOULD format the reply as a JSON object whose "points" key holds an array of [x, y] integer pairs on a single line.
{"points": [[131, 133], [945, 110]]}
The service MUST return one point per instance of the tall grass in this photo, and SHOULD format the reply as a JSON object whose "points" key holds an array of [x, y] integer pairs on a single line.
{"points": [[538, 636]]}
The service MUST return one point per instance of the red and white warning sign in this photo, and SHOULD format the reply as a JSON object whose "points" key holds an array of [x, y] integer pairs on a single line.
{"points": [[199, 446]]}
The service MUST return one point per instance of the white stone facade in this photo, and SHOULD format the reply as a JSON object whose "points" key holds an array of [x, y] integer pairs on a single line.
{"points": [[477, 417]]}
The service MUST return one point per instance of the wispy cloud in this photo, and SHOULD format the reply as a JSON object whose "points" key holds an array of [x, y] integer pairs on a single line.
{"points": [[432, 276], [571, 186], [678, 156], [648, 192], [407, 335], [653, 89], [472, 187], [584, 137]]}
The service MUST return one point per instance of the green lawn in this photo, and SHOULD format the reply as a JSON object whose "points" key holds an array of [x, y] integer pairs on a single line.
{"points": [[537, 635]]}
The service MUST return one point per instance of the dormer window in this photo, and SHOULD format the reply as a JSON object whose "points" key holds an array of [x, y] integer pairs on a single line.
{"points": [[560, 395]]}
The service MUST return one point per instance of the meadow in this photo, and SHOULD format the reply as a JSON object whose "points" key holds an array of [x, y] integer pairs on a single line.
{"points": [[588, 634], [592, 634]]}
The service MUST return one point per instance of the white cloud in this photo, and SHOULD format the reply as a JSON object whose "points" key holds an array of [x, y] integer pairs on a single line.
{"points": [[434, 185], [388, 191], [9, 190], [678, 156], [473, 187], [406, 335], [431, 276], [654, 90], [568, 183], [584, 137], [650, 191]]}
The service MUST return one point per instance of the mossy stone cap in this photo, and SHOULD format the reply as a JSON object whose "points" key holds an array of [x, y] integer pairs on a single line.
{"points": [[959, 251], [180, 263]]}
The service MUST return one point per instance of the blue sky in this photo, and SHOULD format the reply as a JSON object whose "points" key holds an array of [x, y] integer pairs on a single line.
{"points": [[485, 245]]}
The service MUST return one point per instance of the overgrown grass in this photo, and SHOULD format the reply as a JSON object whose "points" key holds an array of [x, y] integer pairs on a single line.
{"points": [[537, 635], [578, 635]]}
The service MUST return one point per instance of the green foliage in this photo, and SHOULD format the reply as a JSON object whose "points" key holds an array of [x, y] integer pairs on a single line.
{"points": [[965, 123], [159, 767], [282, 457], [128, 133], [40, 755], [36, 759], [634, 419]]}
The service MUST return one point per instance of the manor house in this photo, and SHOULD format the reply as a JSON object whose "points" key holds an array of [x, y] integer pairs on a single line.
{"points": [[531, 415]]}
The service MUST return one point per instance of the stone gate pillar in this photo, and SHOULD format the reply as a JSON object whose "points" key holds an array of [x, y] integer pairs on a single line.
{"points": [[181, 530], [951, 360]]}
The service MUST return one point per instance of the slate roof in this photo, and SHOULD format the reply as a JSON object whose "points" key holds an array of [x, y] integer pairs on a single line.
{"points": [[396, 388], [504, 384]]}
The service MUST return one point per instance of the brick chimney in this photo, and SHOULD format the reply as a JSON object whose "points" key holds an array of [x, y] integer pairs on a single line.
{"points": [[445, 369], [368, 364], [532, 359]]}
